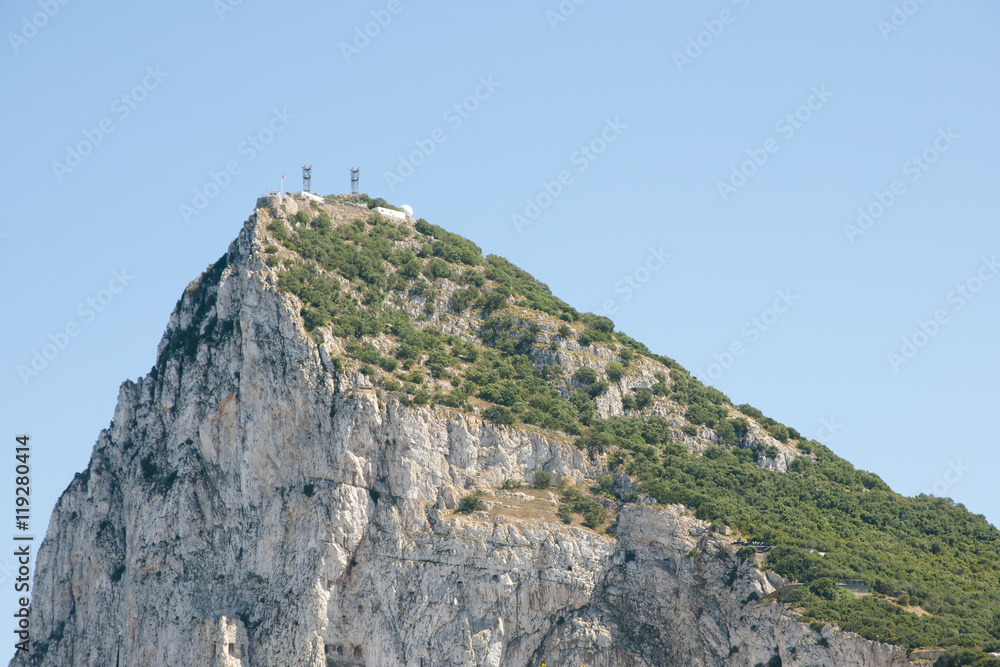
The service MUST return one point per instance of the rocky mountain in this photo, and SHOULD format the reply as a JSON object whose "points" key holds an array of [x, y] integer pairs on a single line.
{"points": [[363, 443]]}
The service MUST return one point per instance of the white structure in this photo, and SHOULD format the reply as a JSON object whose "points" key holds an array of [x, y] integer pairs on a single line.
{"points": [[389, 213], [407, 209], [311, 195]]}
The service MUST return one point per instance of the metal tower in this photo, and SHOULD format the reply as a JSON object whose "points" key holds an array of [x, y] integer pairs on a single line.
{"points": [[307, 175], [355, 178]]}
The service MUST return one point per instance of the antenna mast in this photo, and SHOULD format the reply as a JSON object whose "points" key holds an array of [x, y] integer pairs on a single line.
{"points": [[355, 178], [307, 178]]}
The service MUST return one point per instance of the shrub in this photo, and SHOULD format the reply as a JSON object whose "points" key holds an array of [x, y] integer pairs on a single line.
{"points": [[615, 371], [437, 268], [643, 399], [499, 415], [512, 484], [825, 588], [565, 513], [585, 375], [741, 427], [471, 503], [778, 432], [626, 355], [461, 299], [542, 479], [725, 432], [595, 516], [597, 389]]}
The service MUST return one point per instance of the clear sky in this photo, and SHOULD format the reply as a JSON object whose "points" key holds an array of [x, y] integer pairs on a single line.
{"points": [[585, 142]]}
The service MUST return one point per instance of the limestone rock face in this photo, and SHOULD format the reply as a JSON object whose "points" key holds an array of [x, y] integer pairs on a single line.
{"points": [[251, 505]]}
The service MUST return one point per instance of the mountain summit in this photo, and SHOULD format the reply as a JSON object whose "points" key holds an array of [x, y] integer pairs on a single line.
{"points": [[365, 443]]}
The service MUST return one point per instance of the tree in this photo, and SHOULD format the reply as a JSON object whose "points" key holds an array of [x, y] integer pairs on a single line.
{"points": [[615, 371], [595, 516], [726, 433], [741, 427], [643, 399], [585, 375], [543, 479], [499, 415], [603, 324], [825, 587]]}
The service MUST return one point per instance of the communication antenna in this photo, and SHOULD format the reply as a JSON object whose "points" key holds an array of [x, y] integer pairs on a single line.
{"points": [[307, 174], [355, 178]]}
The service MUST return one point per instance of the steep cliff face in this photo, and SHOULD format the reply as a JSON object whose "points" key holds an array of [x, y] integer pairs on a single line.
{"points": [[254, 503]]}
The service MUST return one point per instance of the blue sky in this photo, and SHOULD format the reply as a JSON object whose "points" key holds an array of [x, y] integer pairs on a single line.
{"points": [[584, 142]]}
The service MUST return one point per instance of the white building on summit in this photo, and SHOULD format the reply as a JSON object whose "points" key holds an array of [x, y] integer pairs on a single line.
{"points": [[407, 212]]}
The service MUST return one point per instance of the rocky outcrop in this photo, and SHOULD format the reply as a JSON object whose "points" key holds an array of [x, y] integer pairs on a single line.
{"points": [[251, 504]]}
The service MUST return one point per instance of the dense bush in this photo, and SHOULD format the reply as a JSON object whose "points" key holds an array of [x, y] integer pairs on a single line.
{"points": [[615, 371], [542, 479], [472, 503], [593, 512], [499, 415]]}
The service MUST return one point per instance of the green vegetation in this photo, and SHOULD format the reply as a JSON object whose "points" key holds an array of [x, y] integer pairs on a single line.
{"points": [[355, 280], [472, 503], [963, 657], [940, 556], [575, 501], [615, 371], [542, 479]]}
